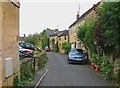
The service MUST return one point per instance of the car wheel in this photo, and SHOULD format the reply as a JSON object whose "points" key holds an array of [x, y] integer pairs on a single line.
{"points": [[69, 62], [87, 61]]}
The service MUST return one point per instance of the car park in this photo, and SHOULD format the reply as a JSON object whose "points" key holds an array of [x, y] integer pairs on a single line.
{"points": [[77, 56]]}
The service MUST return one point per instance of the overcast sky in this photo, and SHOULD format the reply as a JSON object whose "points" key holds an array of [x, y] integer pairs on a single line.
{"points": [[37, 15]]}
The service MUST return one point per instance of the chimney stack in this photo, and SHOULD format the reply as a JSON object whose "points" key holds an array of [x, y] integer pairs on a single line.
{"points": [[24, 37], [77, 16], [56, 29], [78, 13]]}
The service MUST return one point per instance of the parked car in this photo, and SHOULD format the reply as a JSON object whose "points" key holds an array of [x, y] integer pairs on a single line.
{"points": [[47, 49], [25, 52], [38, 49], [77, 56], [27, 45]]}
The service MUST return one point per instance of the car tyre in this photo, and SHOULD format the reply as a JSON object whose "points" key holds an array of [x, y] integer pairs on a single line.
{"points": [[69, 62]]}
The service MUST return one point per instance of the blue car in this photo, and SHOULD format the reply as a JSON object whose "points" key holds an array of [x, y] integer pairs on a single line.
{"points": [[77, 56]]}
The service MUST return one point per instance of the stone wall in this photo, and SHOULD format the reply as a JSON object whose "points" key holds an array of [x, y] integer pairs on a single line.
{"points": [[51, 45], [61, 39], [0, 45], [9, 33]]}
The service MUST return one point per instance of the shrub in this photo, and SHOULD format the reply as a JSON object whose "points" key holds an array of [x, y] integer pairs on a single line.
{"points": [[65, 47], [27, 70], [106, 67]]}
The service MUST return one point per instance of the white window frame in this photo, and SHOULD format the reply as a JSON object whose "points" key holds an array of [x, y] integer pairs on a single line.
{"points": [[70, 30], [75, 28]]}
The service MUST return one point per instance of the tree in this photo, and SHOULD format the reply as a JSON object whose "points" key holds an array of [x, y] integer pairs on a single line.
{"points": [[34, 39], [39, 39], [45, 40], [81, 32], [86, 35], [53, 43], [108, 19]]}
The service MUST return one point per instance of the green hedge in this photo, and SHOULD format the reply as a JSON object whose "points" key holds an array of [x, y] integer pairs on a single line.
{"points": [[27, 69]]}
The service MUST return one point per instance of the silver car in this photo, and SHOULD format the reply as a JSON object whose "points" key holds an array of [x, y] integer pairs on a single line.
{"points": [[77, 56]]}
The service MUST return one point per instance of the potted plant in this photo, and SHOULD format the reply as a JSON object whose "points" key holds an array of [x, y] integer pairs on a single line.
{"points": [[97, 69], [93, 65], [93, 61]]}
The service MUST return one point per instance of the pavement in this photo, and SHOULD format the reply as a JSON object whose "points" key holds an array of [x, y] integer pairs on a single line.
{"points": [[38, 78]]}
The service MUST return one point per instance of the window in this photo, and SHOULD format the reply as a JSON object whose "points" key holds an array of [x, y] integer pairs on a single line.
{"points": [[74, 44], [79, 50], [65, 37], [75, 28], [70, 30], [59, 38]]}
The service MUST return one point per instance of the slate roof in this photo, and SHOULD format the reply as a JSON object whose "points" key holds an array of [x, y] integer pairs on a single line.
{"points": [[50, 32], [60, 33], [55, 33], [63, 33], [84, 15]]}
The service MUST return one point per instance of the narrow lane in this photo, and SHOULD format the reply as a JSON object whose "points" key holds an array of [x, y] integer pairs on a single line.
{"points": [[60, 73]]}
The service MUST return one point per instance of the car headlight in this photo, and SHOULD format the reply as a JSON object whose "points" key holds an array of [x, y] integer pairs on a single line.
{"points": [[70, 56], [85, 57]]}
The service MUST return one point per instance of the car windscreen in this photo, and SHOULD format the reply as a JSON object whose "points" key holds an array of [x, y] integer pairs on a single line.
{"points": [[79, 51], [21, 44], [72, 51]]}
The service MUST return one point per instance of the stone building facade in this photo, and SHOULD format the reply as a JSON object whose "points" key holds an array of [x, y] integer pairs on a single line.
{"points": [[59, 37], [9, 35], [63, 37], [54, 39], [86, 17]]}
